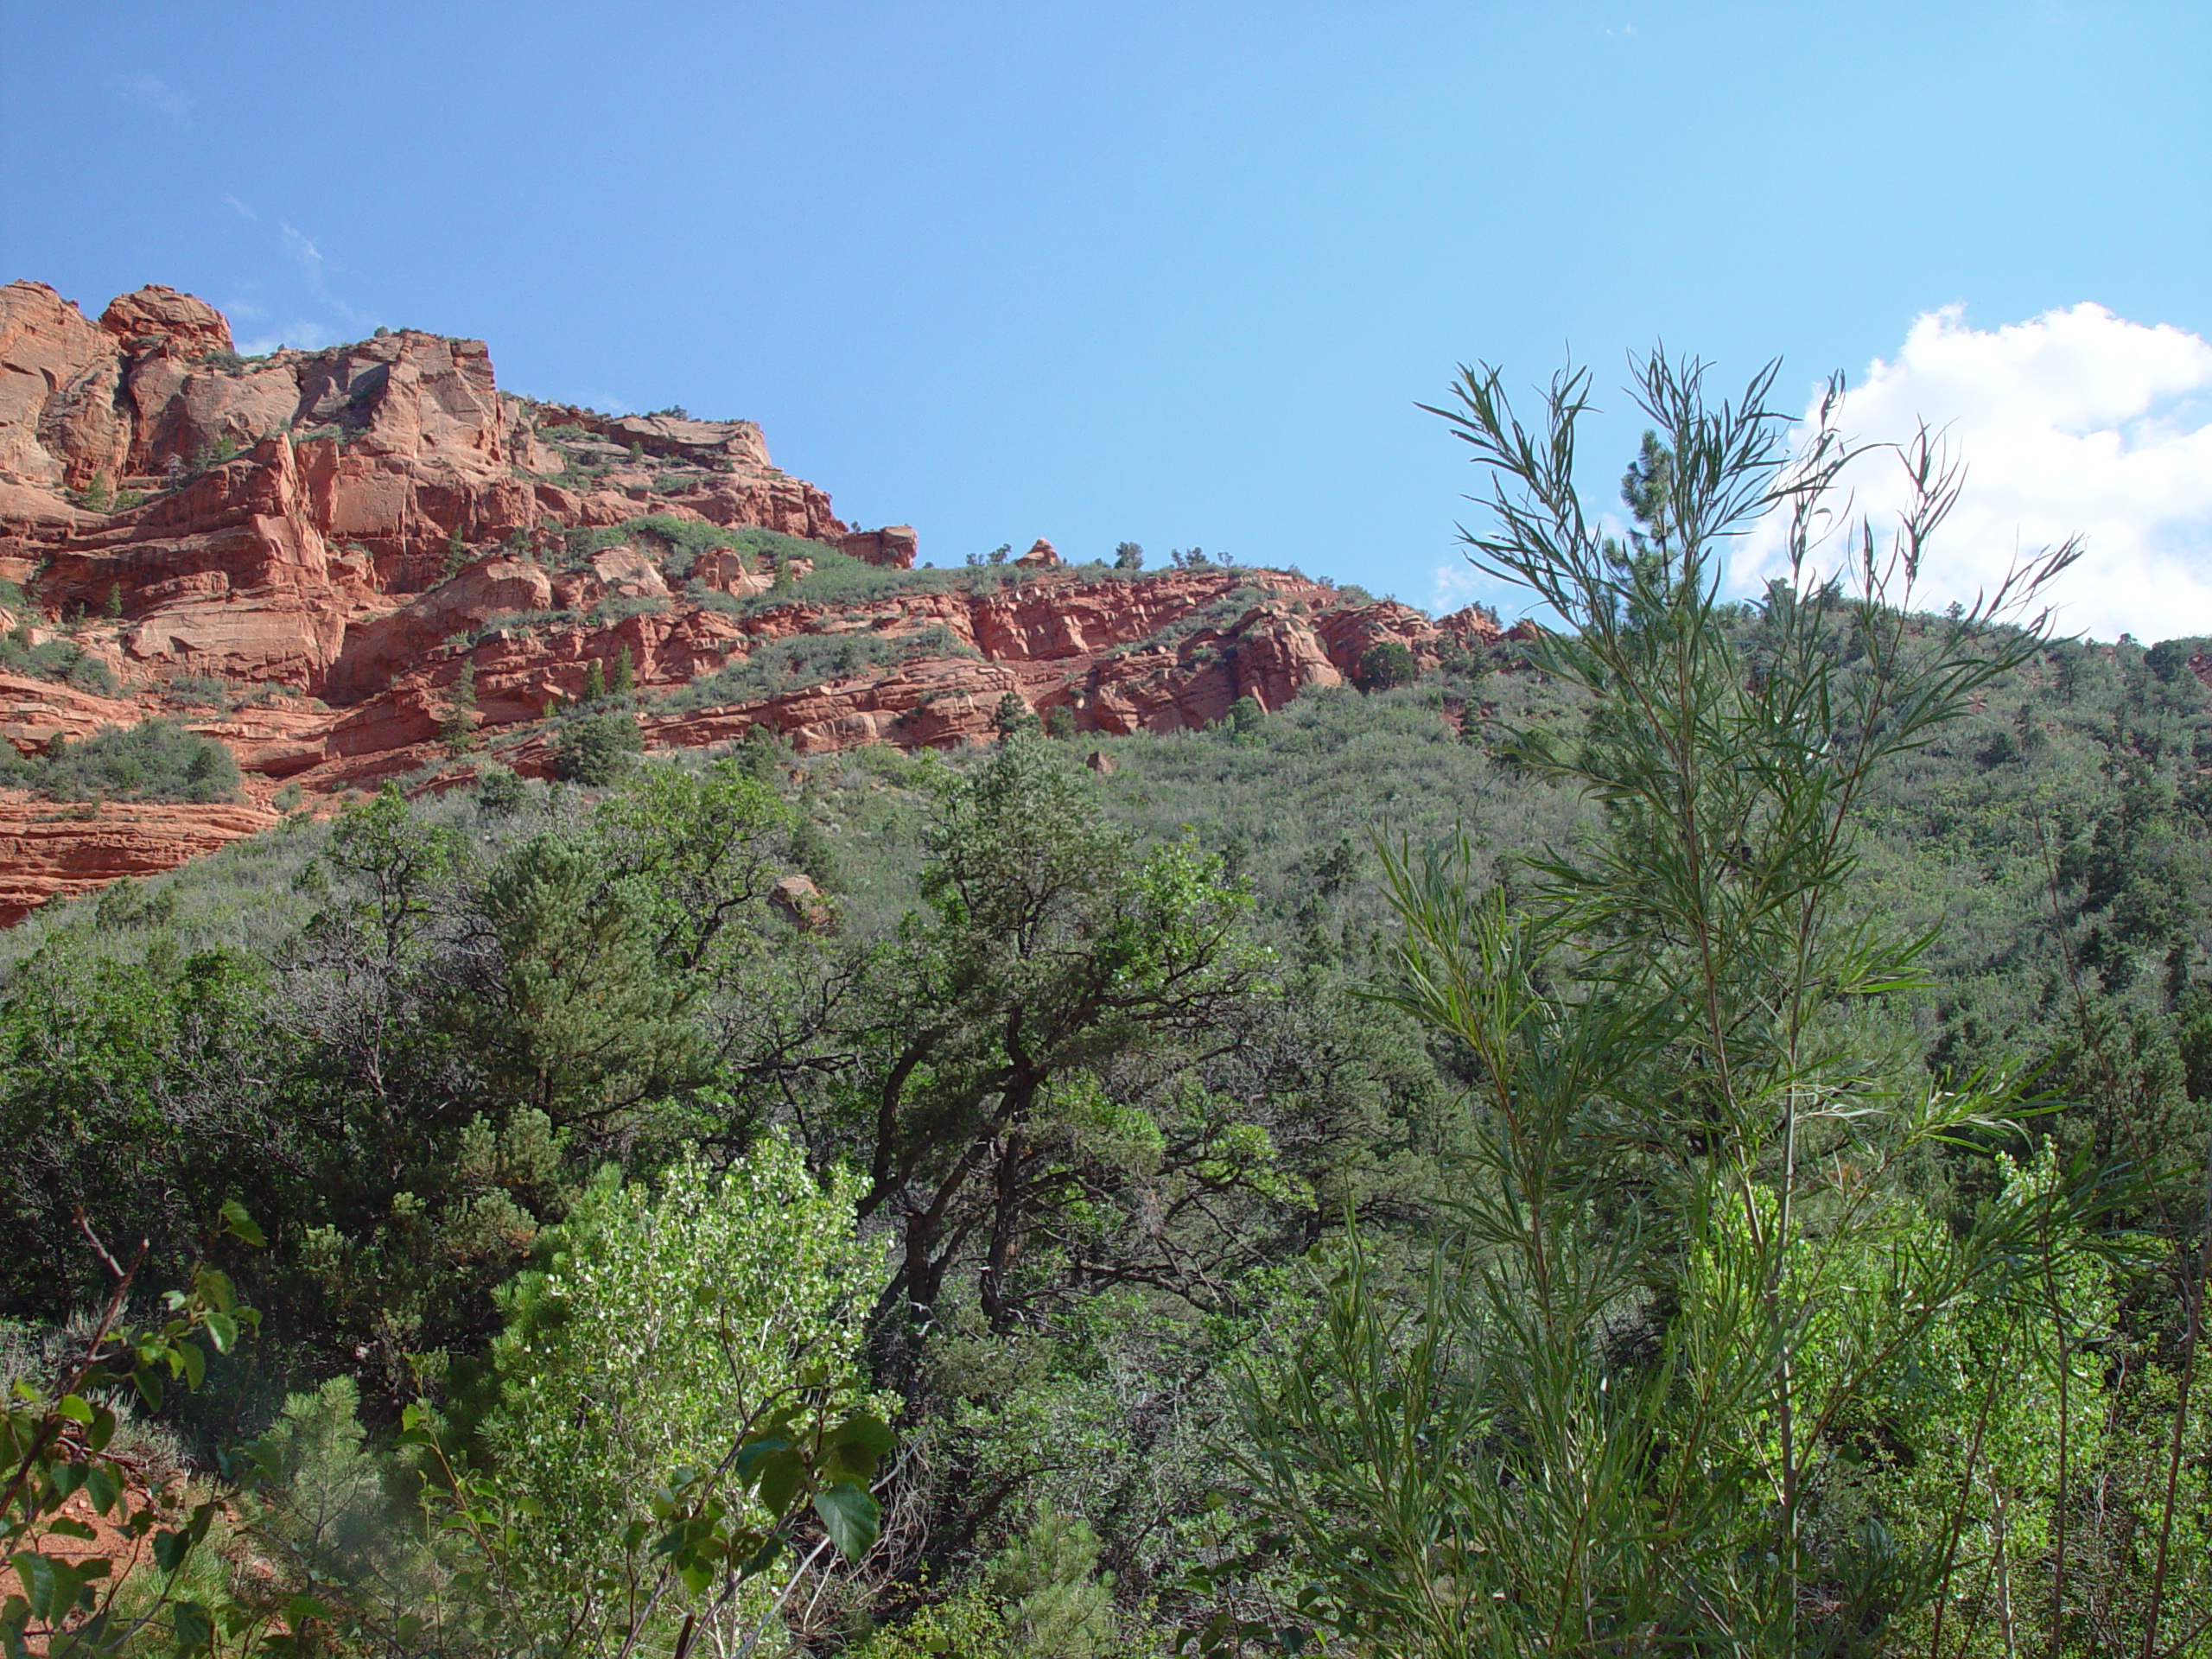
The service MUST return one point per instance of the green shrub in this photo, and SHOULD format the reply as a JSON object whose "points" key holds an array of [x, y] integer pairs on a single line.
{"points": [[801, 660], [666, 1321], [54, 659], [499, 791], [594, 750], [1385, 665], [154, 760], [199, 691]]}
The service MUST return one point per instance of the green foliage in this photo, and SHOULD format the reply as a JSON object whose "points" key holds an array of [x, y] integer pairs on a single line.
{"points": [[1014, 718], [595, 750], [570, 1007], [1653, 1377], [694, 1339], [1128, 555], [595, 681], [57, 1445], [320, 1509], [801, 660], [1057, 1603], [154, 760], [1385, 664], [459, 729], [198, 690], [1762, 1268], [54, 659], [500, 791]]}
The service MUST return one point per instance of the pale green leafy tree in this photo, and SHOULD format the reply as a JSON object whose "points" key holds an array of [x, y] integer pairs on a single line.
{"points": [[668, 1364]]}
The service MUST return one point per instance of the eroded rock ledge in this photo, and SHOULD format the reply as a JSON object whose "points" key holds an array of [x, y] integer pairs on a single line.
{"points": [[340, 537]]}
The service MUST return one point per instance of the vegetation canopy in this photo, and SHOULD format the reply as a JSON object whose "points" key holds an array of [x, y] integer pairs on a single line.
{"points": [[1685, 1130]]}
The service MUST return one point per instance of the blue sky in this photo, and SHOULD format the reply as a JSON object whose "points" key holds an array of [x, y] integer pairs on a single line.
{"points": [[1177, 274]]}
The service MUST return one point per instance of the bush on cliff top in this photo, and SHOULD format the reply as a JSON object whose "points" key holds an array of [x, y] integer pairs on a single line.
{"points": [[154, 760]]}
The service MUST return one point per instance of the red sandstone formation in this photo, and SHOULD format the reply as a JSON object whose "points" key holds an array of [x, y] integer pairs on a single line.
{"points": [[48, 851], [346, 530], [893, 547]]}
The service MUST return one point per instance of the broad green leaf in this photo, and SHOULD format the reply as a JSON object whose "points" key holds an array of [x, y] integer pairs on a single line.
{"points": [[850, 1516], [194, 1630], [239, 1224], [104, 1486], [780, 1473], [36, 1573]]}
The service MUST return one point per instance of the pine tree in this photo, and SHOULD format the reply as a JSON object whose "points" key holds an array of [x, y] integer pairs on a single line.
{"points": [[626, 677], [594, 681], [456, 553], [114, 606], [1014, 718], [459, 728]]}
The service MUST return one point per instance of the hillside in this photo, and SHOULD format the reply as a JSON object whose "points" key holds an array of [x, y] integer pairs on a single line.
{"points": [[1030, 1110], [361, 563]]}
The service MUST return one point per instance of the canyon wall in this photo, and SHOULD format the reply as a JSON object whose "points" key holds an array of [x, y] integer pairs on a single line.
{"points": [[337, 540]]}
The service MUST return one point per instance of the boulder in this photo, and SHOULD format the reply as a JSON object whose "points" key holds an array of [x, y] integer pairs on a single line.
{"points": [[729, 571], [803, 905], [1041, 555], [157, 318], [893, 547], [627, 571]]}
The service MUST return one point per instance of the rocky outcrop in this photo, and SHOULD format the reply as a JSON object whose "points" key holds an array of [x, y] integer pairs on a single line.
{"points": [[894, 546], [208, 481], [59, 375], [49, 852], [340, 535], [157, 318]]}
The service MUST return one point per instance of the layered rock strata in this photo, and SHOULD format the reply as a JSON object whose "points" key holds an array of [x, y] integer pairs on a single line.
{"points": [[340, 537]]}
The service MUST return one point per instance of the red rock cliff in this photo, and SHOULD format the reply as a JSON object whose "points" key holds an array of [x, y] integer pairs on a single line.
{"points": [[352, 527]]}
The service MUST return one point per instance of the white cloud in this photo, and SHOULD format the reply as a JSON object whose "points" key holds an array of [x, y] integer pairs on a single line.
{"points": [[156, 95], [304, 254], [2077, 422], [240, 208]]}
